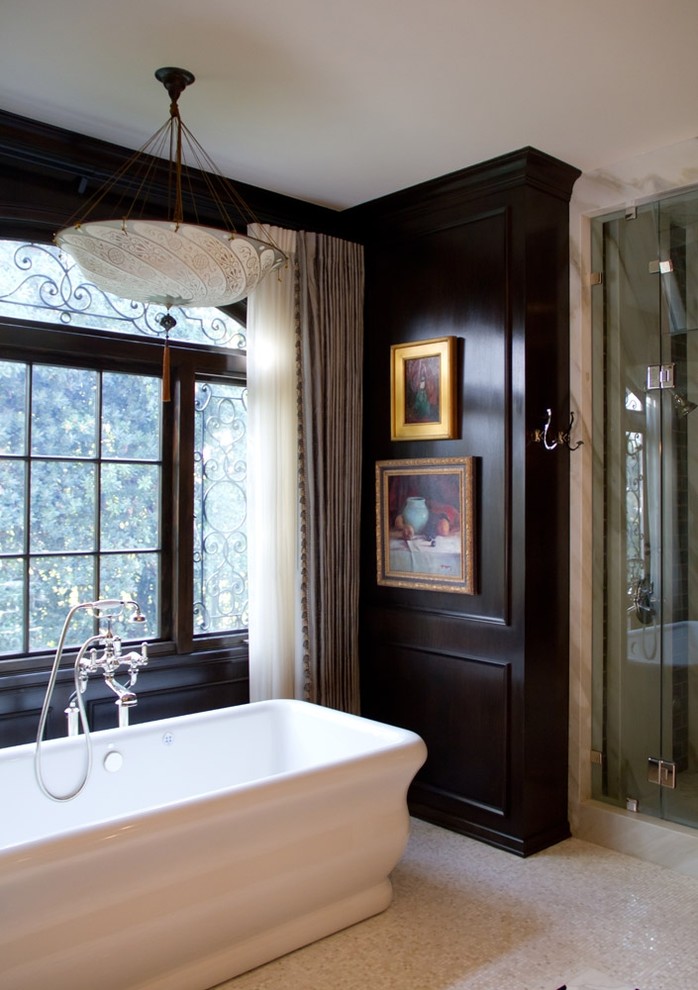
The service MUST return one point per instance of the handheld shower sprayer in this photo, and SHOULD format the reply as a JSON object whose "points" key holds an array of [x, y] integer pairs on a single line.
{"points": [[112, 608], [105, 610]]}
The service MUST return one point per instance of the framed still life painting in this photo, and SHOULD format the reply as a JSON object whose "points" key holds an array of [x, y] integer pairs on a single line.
{"points": [[425, 519], [423, 401]]}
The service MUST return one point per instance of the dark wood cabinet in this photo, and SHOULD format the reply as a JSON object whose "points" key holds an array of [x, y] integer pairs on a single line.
{"points": [[481, 255]]}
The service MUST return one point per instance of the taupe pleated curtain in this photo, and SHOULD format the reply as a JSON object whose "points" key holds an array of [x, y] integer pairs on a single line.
{"points": [[304, 530], [331, 290]]}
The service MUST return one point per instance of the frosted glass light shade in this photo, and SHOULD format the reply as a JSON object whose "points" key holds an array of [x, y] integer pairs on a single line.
{"points": [[158, 261]]}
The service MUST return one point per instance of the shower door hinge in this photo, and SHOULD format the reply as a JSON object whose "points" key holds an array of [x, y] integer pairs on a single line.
{"points": [[597, 757], [661, 772], [596, 278], [658, 267], [660, 376]]}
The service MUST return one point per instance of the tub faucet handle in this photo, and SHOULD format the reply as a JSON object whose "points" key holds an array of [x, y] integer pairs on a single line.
{"points": [[72, 714]]}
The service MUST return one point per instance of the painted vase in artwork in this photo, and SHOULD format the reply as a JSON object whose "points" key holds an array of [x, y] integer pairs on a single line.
{"points": [[415, 513]]}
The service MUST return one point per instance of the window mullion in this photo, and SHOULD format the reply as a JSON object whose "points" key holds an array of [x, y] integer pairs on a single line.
{"points": [[97, 544], [27, 501], [183, 507]]}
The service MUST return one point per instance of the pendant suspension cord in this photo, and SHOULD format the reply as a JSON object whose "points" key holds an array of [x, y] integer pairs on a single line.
{"points": [[175, 82], [179, 205], [138, 172], [137, 175]]}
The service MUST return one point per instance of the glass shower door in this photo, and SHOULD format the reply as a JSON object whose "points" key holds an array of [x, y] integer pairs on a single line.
{"points": [[678, 276], [645, 705]]}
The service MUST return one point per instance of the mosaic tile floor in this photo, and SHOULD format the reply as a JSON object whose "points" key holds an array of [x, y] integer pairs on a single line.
{"points": [[591, 979], [469, 917]]}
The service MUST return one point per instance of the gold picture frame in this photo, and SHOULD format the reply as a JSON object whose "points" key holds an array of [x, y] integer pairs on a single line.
{"points": [[425, 524], [423, 403]]}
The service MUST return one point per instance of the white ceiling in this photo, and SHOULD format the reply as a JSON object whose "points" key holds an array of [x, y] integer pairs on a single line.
{"points": [[339, 103]]}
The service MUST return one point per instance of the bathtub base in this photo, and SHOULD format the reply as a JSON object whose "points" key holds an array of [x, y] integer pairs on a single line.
{"points": [[121, 960], [205, 973]]}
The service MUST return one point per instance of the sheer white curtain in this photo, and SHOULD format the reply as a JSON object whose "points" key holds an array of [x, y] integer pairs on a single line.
{"points": [[305, 353], [273, 477]]}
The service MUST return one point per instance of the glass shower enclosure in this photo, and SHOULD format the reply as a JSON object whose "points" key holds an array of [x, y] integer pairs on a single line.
{"points": [[645, 623]]}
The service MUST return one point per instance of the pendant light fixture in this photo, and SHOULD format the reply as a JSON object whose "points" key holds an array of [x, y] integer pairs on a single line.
{"points": [[170, 262]]}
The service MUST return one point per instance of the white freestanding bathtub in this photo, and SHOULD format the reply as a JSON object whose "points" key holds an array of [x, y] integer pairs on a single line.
{"points": [[201, 846]]}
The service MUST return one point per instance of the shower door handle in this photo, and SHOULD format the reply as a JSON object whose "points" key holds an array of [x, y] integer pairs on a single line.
{"points": [[661, 772]]}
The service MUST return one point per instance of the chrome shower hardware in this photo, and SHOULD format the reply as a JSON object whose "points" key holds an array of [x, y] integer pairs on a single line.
{"points": [[644, 600], [108, 662]]}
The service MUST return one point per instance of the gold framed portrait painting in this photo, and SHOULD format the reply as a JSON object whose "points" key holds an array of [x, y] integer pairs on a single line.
{"points": [[423, 390]]}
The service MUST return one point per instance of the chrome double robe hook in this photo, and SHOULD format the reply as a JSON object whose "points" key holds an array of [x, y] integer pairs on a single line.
{"points": [[562, 438]]}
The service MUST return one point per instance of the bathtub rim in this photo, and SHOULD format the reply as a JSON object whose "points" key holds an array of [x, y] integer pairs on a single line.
{"points": [[399, 746]]}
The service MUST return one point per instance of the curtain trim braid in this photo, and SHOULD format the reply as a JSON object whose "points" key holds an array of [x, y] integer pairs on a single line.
{"points": [[306, 672]]}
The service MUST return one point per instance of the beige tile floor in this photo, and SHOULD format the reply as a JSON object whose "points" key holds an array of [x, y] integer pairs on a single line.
{"points": [[468, 917]]}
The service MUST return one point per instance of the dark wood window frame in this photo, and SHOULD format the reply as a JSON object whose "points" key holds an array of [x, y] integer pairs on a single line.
{"points": [[29, 341]]}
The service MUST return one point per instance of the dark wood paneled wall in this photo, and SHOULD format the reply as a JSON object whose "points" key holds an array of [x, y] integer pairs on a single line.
{"points": [[481, 255]]}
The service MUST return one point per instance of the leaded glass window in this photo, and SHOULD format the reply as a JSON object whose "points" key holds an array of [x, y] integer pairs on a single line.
{"points": [[40, 282], [220, 507]]}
